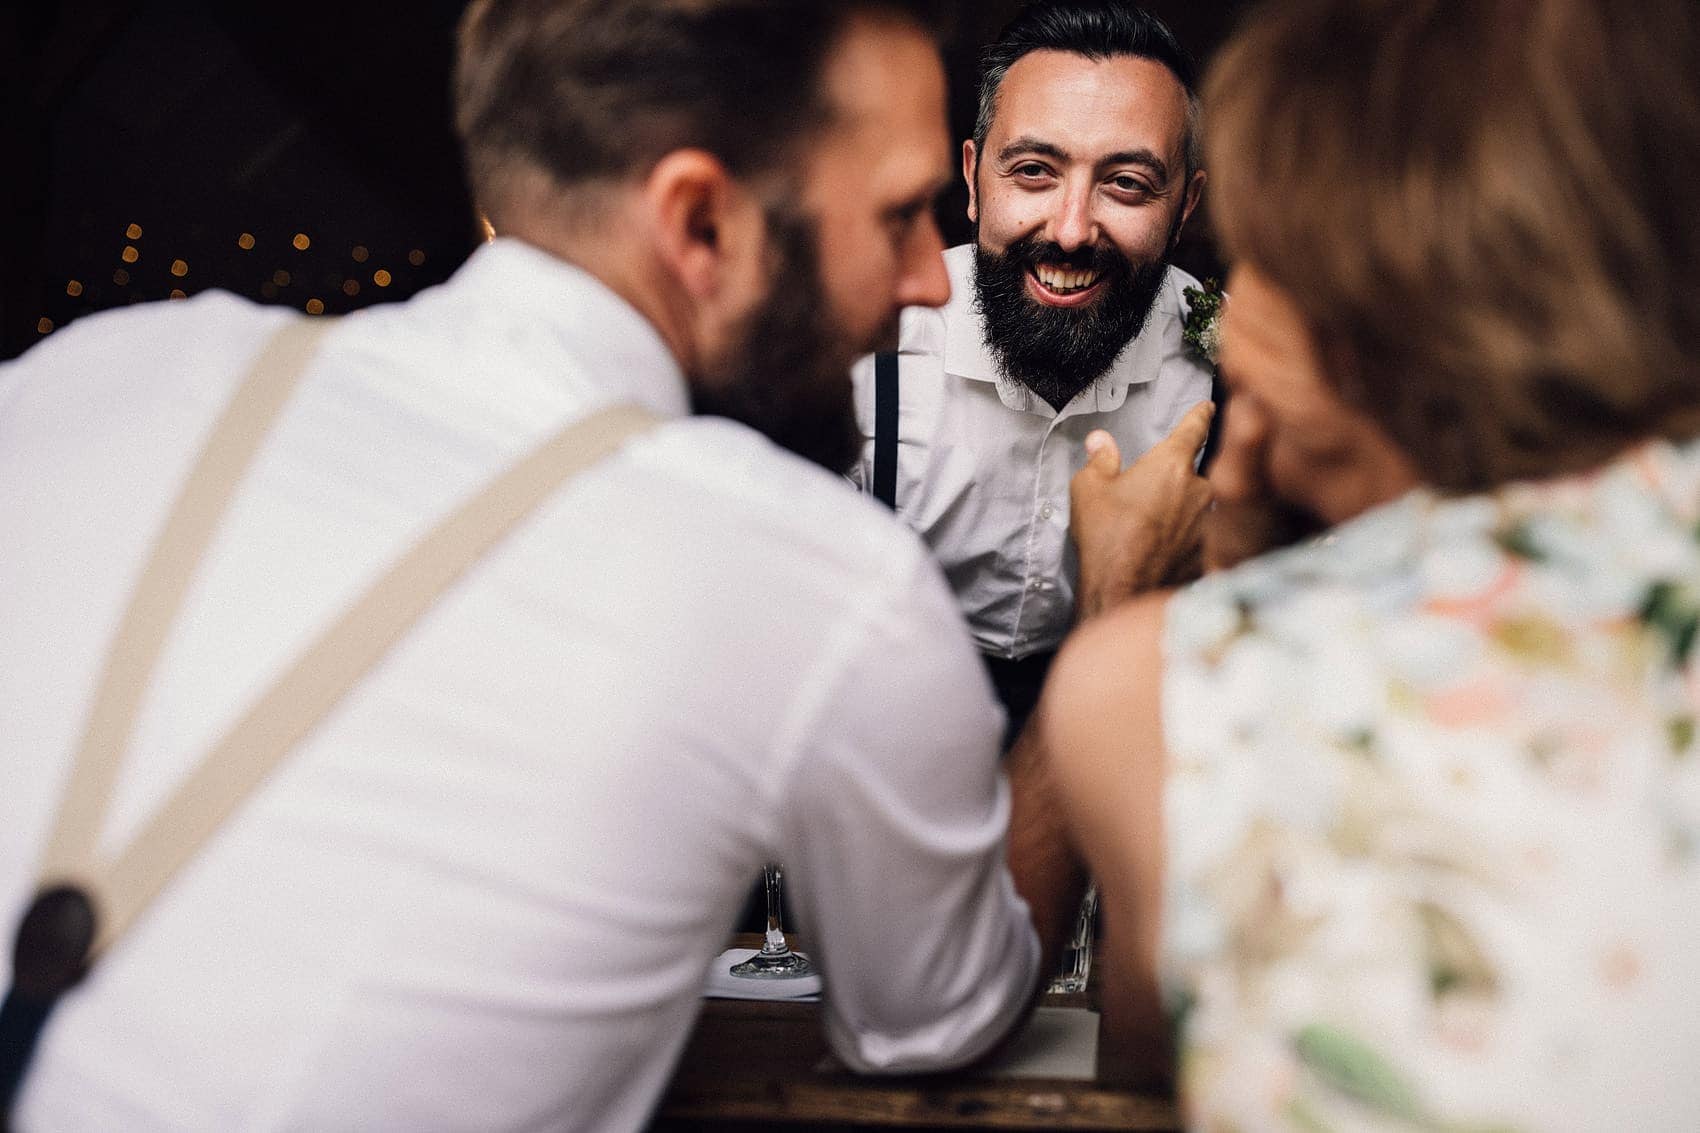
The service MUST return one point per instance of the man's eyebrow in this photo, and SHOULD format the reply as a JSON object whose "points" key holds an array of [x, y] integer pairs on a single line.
{"points": [[1032, 145], [925, 198], [1139, 156]]}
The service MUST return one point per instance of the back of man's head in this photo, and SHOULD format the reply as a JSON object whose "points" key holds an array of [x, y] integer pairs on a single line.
{"points": [[1097, 29], [597, 91]]}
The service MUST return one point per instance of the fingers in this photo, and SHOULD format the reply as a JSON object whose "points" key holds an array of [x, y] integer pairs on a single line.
{"points": [[1102, 453], [1188, 437]]}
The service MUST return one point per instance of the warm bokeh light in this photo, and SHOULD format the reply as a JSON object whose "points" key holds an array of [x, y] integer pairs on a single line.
{"points": [[381, 278], [43, 325], [280, 277], [315, 307], [301, 242], [245, 241], [351, 287], [416, 257], [129, 255], [360, 253], [177, 293], [134, 232], [74, 288], [121, 277], [179, 268]]}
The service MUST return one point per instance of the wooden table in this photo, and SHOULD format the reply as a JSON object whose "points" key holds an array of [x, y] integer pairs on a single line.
{"points": [[759, 1065]]}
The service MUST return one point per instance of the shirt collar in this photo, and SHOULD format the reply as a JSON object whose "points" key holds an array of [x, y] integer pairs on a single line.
{"points": [[967, 355], [605, 336]]}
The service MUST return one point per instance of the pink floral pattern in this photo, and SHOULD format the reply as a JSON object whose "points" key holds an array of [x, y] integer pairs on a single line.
{"points": [[1433, 816]]}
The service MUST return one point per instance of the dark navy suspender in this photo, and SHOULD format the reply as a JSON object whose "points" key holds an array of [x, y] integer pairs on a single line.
{"points": [[885, 428]]}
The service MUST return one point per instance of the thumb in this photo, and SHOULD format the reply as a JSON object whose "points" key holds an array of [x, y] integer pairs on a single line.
{"points": [[1102, 453]]}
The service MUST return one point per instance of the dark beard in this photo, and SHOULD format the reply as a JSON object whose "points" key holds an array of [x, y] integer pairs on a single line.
{"points": [[788, 372], [1058, 351]]}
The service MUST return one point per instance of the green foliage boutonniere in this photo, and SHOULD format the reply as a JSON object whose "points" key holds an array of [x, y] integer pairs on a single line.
{"points": [[1202, 329]]}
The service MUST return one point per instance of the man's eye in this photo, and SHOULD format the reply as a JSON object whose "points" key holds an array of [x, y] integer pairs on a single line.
{"points": [[1130, 185], [1030, 170], [900, 223]]}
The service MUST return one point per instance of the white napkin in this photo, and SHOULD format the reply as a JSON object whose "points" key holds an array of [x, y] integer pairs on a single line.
{"points": [[1058, 1042], [722, 984]]}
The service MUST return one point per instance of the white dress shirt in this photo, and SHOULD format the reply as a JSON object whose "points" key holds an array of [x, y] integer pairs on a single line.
{"points": [[485, 892], [983, 463]]}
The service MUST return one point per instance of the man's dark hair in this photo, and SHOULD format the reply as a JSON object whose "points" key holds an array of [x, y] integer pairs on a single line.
{"points": [[1097, 29], [589, 90]]}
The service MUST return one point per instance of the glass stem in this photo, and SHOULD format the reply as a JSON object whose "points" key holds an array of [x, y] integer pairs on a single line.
{"points": [[774, 943]]}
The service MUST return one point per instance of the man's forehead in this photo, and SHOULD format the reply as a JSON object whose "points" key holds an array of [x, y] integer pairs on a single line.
{"points": [[885, 90], [881, 67], [1090, 107]]}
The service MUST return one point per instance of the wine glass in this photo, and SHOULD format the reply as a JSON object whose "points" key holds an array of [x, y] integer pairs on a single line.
{"points": [[775, 961], [1077, 953]]}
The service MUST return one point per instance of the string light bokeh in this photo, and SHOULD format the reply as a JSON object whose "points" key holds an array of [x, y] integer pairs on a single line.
{"points": [[299, 156]]}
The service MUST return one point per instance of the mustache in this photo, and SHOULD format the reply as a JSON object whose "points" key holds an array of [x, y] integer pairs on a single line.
{"points": [[1103, 259]]}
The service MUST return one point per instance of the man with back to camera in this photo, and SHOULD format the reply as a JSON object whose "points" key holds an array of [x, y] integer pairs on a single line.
{"points": [[484, 890], [1065, 317]]}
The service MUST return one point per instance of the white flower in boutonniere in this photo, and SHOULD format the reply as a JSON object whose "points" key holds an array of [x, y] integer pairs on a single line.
{"points": [[1203, 327]]}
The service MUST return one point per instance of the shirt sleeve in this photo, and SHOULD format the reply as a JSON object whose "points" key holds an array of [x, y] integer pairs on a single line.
{"points": [[894, 826]]}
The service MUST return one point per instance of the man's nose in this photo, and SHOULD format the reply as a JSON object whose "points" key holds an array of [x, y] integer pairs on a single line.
{"points": [[923, 281], [1072, 224]]}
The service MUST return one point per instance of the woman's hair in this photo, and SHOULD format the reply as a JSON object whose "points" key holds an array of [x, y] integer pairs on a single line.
{"points": [[1484, 208]]}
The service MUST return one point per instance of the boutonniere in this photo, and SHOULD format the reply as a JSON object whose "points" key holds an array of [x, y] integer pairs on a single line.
{"points": [[1202, 330]]}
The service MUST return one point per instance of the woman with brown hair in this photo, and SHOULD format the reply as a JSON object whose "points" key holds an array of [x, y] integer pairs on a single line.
{"points": [[1407, 832]]}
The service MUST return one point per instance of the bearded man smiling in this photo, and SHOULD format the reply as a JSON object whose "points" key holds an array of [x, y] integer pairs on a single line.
{"points": [[1065, 319]]}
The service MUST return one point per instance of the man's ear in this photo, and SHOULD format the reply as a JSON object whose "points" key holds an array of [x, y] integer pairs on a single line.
{"points": [[970, 172], [689, 196], [1194, 194]]}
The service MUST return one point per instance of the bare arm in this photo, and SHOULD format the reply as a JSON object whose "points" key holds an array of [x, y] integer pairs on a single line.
{"points": [[1047, 871], [1101, 719]]}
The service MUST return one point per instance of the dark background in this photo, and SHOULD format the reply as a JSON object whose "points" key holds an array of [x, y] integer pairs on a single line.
{"points": [[297, 154]]}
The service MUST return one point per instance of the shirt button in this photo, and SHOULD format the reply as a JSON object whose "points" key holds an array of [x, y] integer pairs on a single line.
{"points": [[1046, 511]]}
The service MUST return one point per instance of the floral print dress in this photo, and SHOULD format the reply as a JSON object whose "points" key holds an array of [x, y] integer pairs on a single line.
{"points": [[1433, 815]]}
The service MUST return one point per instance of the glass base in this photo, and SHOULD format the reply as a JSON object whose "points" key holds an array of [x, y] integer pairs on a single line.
{"points": [[1070, 984], [774, 966]]}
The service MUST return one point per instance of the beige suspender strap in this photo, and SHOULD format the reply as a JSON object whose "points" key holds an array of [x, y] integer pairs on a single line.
{"points": [[224, 458], [317, 680]]}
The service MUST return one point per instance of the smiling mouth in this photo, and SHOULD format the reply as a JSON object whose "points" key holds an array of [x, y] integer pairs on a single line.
{"points": [[1056, 283]]}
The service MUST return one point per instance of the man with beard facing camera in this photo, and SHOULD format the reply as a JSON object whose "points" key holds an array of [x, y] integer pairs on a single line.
{"points": [[1064, 318]]}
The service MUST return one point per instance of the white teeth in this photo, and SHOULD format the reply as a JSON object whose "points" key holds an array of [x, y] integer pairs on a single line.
{"points": [[1065, 281]]}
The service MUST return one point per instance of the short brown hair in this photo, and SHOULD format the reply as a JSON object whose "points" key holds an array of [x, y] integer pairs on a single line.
{"points": [[589, 90], [1484, 208]]}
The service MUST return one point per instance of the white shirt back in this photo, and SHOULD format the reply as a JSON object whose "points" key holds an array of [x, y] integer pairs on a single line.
{"points": [[485, 892]]}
